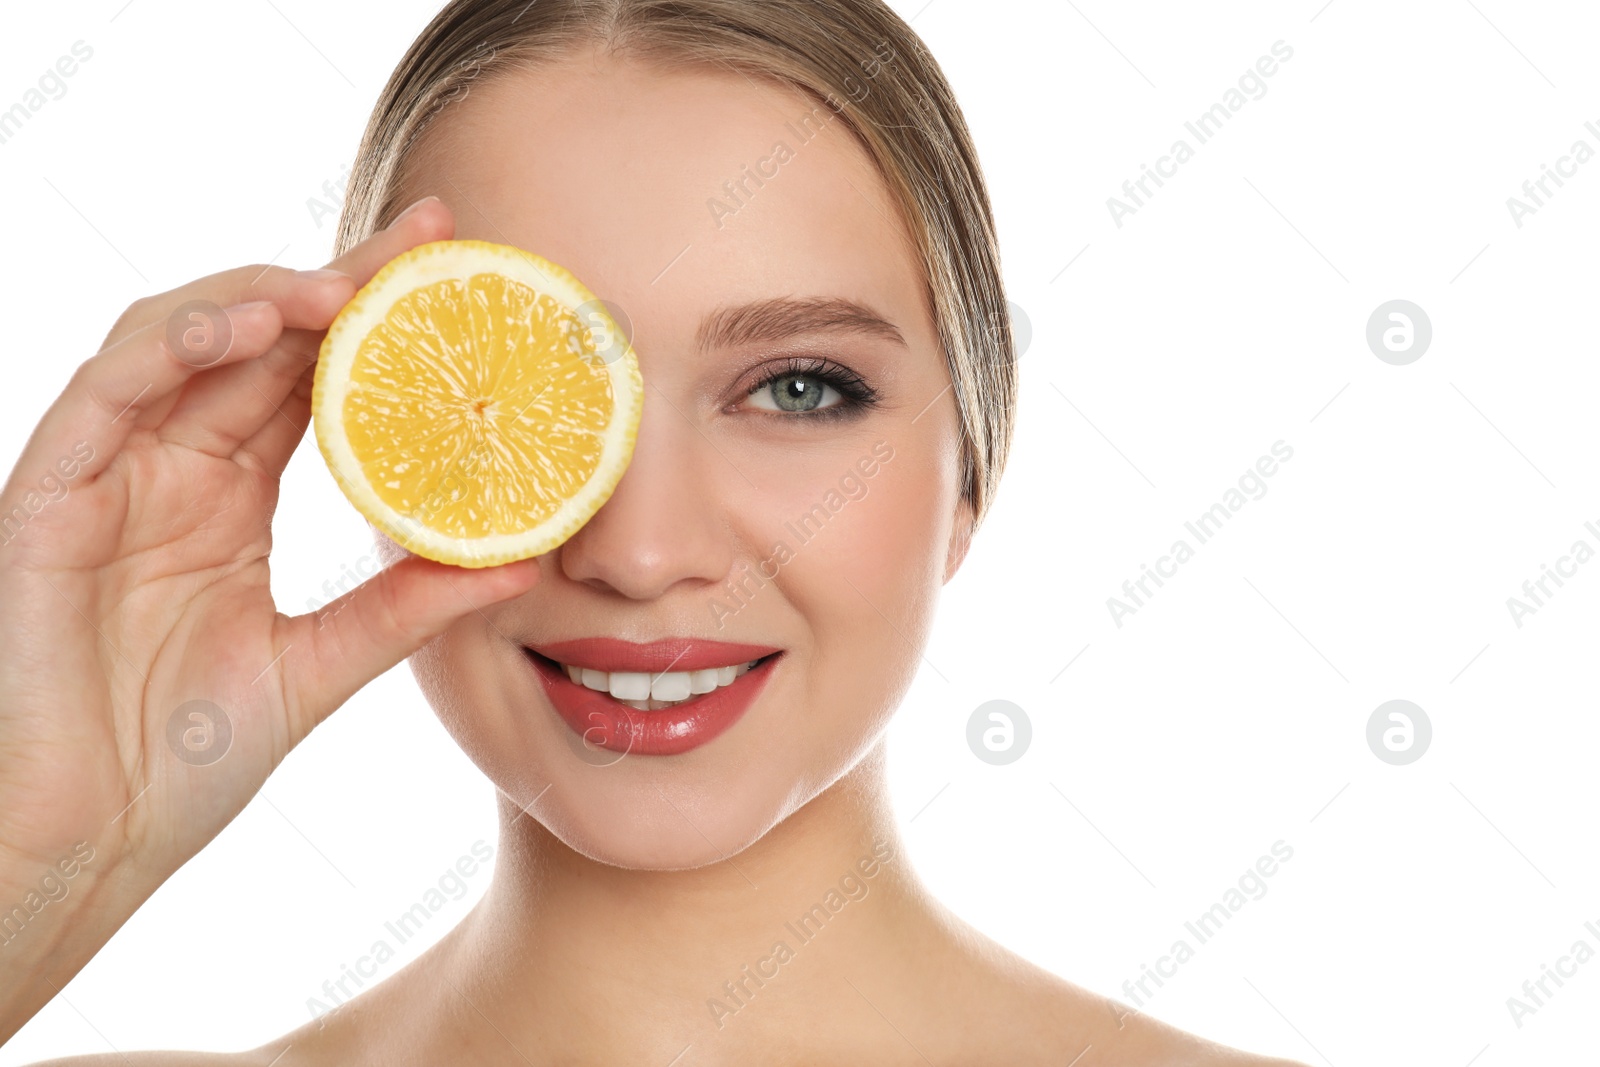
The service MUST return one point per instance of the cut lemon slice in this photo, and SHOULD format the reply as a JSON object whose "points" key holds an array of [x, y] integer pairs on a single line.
{"points": [[476, 402]]}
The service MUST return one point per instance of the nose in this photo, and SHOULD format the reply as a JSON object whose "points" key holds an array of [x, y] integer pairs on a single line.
{"points": [[663, 524]]}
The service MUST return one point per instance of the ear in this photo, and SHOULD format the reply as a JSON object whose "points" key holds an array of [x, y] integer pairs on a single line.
{"points": [[960, 540]]}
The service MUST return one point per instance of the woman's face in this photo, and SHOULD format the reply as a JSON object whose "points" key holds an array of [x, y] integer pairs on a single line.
{"points": [[795, 481]]}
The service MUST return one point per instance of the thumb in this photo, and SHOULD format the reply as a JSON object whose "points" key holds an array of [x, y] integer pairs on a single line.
{"points": [[351, 640]]}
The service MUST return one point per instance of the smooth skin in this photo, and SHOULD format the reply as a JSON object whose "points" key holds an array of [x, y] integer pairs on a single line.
{"points": [[625, 895], [147, 584]]}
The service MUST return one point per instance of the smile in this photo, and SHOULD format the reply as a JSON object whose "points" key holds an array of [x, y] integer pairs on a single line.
{"points": [[661, 698], [647, 692]]}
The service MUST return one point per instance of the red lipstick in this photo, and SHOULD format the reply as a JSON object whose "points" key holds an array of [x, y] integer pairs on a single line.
{"points": [[605, 722], [657, 657]]}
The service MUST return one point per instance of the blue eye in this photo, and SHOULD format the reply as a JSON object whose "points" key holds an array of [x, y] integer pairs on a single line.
{"points": [[806, 385], [794, 393]]}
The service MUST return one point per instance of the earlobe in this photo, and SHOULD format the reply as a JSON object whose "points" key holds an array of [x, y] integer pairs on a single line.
{"points": [[960, 540]]}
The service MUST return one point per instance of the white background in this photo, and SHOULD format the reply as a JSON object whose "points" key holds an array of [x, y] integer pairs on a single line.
{"points": [[1226, 314]]}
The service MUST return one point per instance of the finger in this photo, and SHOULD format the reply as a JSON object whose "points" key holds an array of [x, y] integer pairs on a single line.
{"points": [[219, 412], [136, 373], [426, 220], [302, 297], [271, 447], [103, 400], [199, 334], [327, 655]]}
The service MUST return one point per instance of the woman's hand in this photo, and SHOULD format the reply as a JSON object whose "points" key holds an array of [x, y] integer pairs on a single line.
{"points": [[148, 685]]}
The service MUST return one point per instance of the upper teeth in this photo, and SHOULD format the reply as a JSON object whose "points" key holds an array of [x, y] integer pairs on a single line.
{"points": [[651, 692]]}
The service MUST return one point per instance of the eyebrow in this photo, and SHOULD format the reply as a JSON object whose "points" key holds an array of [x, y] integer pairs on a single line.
{"points": [[780, 317]]}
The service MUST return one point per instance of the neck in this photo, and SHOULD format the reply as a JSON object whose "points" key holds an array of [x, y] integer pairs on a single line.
{"points": [[648, 962]]}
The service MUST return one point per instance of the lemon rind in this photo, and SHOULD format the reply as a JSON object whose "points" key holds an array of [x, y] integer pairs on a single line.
{"points": [[428, 264]]}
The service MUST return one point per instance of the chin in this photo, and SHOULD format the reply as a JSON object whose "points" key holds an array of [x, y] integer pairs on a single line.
{"points": [[670, 754], [594, 791], [629, 824]]}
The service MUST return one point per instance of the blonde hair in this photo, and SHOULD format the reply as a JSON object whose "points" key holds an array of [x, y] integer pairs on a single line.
{"points": [[856, 56]]}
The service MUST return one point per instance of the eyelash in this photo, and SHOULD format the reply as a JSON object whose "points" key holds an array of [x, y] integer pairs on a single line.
{"points": [[856, 393]]}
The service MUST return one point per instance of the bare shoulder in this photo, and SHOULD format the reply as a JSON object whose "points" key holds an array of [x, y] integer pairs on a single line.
{"points": [[1125, 1036], [337, 1037], [1048, 1016], [163, 1059]]}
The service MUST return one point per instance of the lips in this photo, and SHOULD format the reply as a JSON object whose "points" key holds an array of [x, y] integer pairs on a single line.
{"points": [[670, 654], [680, 722]]}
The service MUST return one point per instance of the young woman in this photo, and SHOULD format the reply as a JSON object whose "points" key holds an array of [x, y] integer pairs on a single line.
{"points": [[782, 198]]}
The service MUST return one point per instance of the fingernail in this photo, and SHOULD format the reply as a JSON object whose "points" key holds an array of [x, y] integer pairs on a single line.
{"points": [[320, 275], [398, 218]]}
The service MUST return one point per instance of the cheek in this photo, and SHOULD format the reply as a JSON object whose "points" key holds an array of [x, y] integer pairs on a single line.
{"points": [[455, 673], [440, 674], [867, 587], [893, 551]]}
